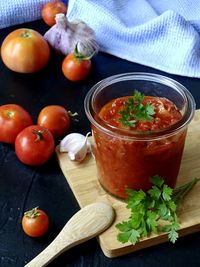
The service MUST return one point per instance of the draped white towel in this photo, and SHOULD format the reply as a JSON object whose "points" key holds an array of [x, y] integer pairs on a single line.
{"points": [[163, 34]]}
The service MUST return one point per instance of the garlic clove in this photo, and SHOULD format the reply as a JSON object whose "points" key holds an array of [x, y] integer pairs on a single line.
{"points": [[65, 35], [72, 140], [77, 146], [71, 155], [79, 154]]}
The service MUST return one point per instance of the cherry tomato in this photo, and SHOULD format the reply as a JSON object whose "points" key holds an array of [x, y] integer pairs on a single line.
{"points": [[55, 118], [34, 145], [35, 222], [13, 119], [50, 10], [25, 51], [76, 69]]}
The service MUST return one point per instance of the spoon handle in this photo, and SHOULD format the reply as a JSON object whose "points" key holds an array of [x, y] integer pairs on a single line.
{"points": [[55, 248], [84, 225]]}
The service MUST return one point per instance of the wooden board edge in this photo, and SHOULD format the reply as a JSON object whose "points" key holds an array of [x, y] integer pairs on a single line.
{"points": [[163, 238]]}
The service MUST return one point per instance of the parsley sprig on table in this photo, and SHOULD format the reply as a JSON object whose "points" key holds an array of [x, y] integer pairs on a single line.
{"points": [[149, 209], [135, 110]]}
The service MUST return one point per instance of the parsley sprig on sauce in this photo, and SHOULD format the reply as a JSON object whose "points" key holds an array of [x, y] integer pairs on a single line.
{"points": [[134, 110], [149, 209]]}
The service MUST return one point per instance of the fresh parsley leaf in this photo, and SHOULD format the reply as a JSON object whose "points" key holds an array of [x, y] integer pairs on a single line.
{"points": [[171, 205], [128, 233], [173, 235], [135, 235], [134, 110], [138, 95], [157, 180], [149, 208], [167, 192], [166, 228], [149, 110], [172, 230], [155, 192], [163, 211], [135, 198], [151, 221], [124, 226], [124, 237], [136, 220], [143, 230]]}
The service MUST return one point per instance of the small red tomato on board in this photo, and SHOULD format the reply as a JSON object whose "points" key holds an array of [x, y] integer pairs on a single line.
{"points": [[50, 10], [34, 145], [35, 222], [55, 118], [13, 119], [76, 66], [25, 51]]}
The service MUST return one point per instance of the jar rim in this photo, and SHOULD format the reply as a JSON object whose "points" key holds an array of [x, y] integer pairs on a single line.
{"points": [[137, 135]]}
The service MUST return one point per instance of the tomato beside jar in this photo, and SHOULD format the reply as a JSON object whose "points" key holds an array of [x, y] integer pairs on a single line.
{"points": [[13, 119], [25, 51], [34, 145], [55, 118]]}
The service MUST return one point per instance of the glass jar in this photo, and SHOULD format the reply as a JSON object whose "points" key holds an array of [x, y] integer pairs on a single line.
{"points": [[128, 158]]}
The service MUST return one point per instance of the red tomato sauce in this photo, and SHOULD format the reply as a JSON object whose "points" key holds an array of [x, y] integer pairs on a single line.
{"points": [[128, 163], [166, 113]]}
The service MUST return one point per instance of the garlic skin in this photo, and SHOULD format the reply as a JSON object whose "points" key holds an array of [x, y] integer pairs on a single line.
{"points": [[76, 145], [65, 35]]}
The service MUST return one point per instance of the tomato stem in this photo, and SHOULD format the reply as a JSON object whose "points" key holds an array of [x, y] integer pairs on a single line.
{"points": [[32, 213], [39, 135], [73, 116], [10, 114], [79, 56], [25, 34]]}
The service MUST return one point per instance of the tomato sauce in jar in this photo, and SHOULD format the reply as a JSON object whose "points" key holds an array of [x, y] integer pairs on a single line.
{"points": [[130, 162]]}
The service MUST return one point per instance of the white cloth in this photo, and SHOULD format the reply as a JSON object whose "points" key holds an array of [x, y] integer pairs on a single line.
{"points": [[163, 34]]}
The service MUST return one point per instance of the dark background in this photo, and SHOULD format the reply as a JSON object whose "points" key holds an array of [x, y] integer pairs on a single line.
{"points": [[23, 187]]}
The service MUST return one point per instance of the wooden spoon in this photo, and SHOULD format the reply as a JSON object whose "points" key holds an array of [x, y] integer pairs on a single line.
{"points": [[84, 225]]}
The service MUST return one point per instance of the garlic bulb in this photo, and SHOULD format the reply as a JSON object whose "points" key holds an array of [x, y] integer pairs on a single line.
{"points": [[65, 35], [76, 145]]}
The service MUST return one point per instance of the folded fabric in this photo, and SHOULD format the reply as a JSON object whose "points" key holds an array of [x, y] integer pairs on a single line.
{"points": [[19, 11], [161, 34]]}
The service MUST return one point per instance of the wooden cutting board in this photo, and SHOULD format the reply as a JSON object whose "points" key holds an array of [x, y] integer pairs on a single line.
{"points": [[83, 181]]}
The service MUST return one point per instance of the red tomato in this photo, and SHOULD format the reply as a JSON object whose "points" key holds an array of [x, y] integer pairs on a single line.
{"points": [[13, 119], [76, 69], [34, 145], [55, 118], [35, 222], [25, 51], [50, 10]]}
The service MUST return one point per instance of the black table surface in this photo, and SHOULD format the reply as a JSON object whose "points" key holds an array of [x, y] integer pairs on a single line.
{"points": [[23, 187]]}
